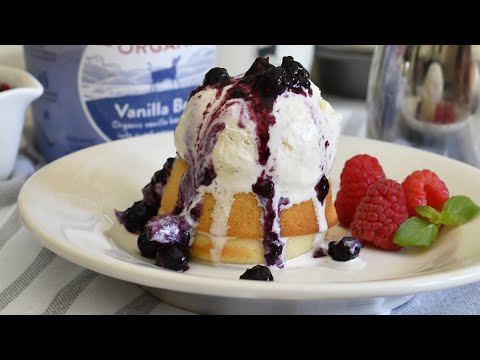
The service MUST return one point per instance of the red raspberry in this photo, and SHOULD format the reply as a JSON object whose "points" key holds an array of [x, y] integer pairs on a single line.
{"points": [[424, 187], [358, 174], [4, 87], [380, 213]]}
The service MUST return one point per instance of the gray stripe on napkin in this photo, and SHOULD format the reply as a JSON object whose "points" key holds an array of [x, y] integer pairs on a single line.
{"points": [[141, 305], [11, 187], [10, 227], [10, 293], [457, 301], [9, 190], [70, 292]]}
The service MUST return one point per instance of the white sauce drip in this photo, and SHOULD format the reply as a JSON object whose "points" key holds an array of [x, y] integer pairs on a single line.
{"points": [[299, 157]]}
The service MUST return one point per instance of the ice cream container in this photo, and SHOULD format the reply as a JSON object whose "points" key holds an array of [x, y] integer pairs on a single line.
{"points": [[99, 93]]}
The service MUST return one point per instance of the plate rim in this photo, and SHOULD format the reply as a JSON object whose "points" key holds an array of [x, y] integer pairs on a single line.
{"points": [[234, 288]]}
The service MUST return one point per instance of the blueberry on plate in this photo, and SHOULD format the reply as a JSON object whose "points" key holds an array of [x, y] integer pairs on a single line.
{"points": [[167, 228], [173, 256], [136, 216], [258, 272], [346, 249], [148, 248]]}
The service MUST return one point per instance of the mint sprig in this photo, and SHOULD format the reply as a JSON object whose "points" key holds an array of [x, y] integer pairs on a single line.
{"points": [[430, 213], [418, 231], [458, 210]]}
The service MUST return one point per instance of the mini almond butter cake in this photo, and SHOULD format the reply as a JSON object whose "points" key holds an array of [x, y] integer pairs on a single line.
{"points": [[249, 183]]}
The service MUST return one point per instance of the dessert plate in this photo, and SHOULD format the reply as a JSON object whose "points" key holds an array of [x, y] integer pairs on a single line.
{"points": [[69, 204]]}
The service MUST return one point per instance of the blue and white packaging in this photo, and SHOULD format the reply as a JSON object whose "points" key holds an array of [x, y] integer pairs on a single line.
{"points": [[99, 93]]}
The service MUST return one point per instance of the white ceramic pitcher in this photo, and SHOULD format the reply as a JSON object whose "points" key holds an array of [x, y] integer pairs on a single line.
{"points": [[13, 105]]}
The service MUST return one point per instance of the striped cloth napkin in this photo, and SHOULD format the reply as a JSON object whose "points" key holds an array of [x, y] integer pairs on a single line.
{"points": [[33, 280]]}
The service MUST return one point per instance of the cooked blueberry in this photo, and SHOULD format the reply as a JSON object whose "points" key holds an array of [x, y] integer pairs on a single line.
{"points": [[147, 248], [272, 237], [259, 66], [186, 237], [264, 188], [208, 175], [151, 196], [161, 176], [322, 188], [196, 211], [295, 74], [320, 253], [272, 255], [216, 75], [135, 217], [236, 92], [346, 249], [173, 256], [152, 192], [283, 202], [247, 80], [271, 82], [258, 272], [167, 228]]}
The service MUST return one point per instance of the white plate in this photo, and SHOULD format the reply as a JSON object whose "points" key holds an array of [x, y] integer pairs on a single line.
{"points": [[69, 204]]}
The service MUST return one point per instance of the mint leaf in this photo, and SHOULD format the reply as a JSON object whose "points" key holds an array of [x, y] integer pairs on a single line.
{"points": [[458, 210], [416, 232], [429, 213]]}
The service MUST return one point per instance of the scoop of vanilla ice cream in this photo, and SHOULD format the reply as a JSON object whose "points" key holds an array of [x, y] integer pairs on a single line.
{"points": [[308, 129], [303, 140], [234, 154]]}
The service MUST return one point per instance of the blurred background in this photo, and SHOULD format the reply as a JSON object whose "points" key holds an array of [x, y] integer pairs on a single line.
{"points": [[83, 84], [426, 96]]}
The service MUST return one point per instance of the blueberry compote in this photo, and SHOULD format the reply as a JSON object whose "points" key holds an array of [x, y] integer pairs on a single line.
{"points": [[346, 249], [258, 89], [167, 228], [265, 190], [322, 188], [173, 256], [136, 216], [147, 248], [258, 272], [167, 237]]}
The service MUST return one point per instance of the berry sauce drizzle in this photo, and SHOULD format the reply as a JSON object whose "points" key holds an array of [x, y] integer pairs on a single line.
{"points": [[258, 89], [136, 217]]}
